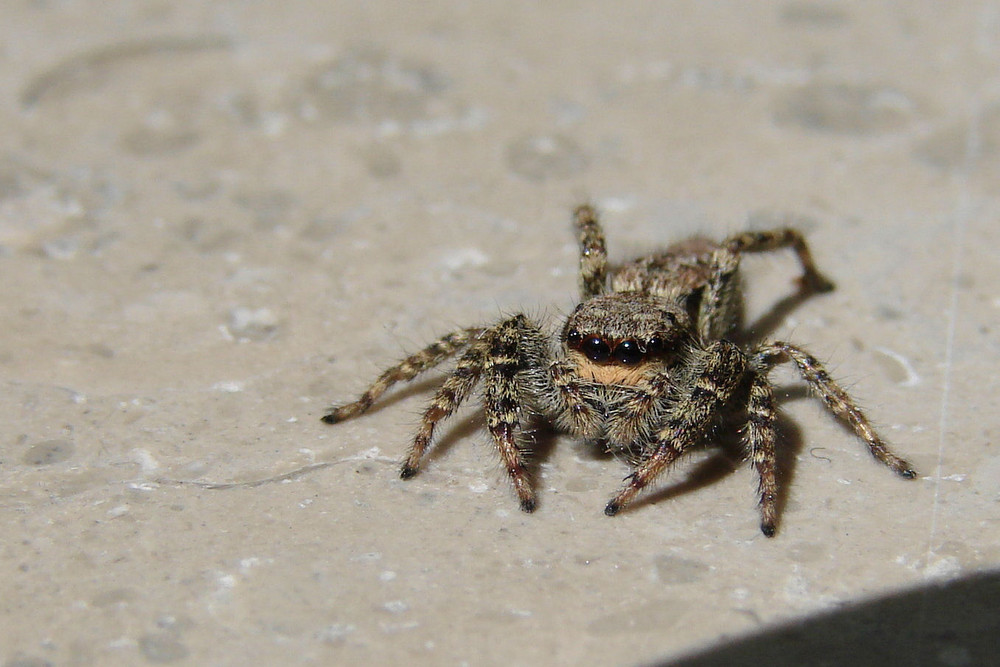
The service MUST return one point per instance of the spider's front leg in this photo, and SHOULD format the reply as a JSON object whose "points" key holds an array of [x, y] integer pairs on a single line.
{"points": [[722, 370], [496, 357], [836, 399], [760, 435], [515, 346], [409, 368]]}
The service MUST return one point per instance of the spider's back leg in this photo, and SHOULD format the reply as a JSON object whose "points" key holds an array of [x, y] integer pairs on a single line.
{"points": [[782, 238], [593, 252], [513, 342], [409, 368], [497, 357], [720, 309]]}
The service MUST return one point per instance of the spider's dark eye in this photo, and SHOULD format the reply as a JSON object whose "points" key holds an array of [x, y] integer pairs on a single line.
{"points": [[654, 345], [627, 352], [596, 349], [573, 338]]}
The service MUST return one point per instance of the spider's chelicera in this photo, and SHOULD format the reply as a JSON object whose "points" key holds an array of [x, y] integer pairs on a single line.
{"points": [[644, 366]]}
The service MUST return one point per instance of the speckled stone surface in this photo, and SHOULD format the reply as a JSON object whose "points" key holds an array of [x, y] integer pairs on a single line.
{"points": [[216, 219]]}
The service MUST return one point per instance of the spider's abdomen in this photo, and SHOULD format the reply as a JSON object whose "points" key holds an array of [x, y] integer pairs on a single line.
{"points": [[680, 270]]}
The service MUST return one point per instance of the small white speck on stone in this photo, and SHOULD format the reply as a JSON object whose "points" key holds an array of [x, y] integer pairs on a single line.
{"points": [[143, 486], [464, 257], [252, 324], [247, 564], [367, 557], [387, 575], [941, 568], [617, 204], [910, 377], [116, 512], [335, 633], [147, 462], [228, 386], [273, 124], [396, 607], [845, 482], [479, 486], [61, 248]]}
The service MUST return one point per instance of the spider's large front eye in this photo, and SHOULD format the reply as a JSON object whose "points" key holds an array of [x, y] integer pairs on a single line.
{"points": [[596, 349], [627, 352]]}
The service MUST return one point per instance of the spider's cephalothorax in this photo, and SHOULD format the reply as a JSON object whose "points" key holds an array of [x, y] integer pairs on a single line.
{"points": [[642, 366]]}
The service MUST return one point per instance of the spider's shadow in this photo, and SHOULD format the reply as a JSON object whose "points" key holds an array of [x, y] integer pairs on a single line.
{"points": [[537, 440], [768, 323], [540, 438]]}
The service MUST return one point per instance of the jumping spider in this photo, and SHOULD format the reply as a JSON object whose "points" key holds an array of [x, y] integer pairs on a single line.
{"points": [[642, 366]]}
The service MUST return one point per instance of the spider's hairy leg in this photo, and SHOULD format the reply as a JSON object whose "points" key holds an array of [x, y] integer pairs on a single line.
{"points": [[760, 437], [409, 368], [511, 344], [837, 400], [447, 399], [720, 301], [782, 238], [593, 252], [722, 370]]}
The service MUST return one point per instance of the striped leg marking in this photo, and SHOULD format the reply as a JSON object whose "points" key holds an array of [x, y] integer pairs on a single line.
{"points": [[409, 368], [837, 400], [593, 252], [760, 438]]}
